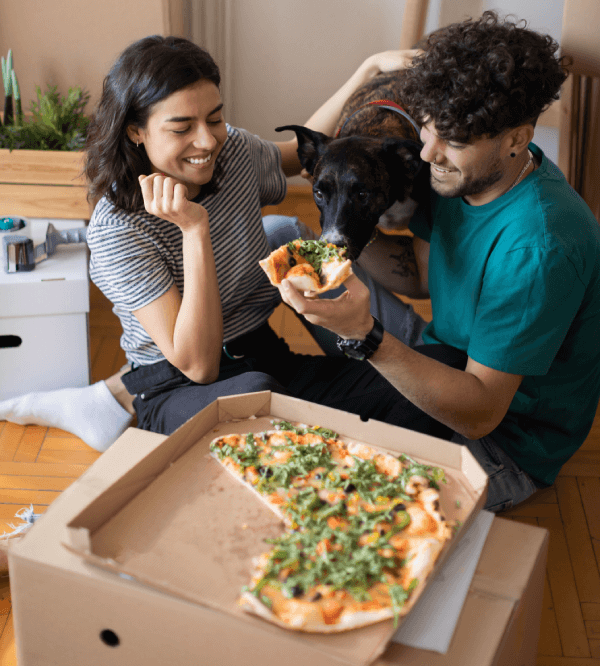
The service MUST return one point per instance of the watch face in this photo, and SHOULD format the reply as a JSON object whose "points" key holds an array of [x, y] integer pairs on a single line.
{"points": [[361, 350], [352, 349], [354, 353]]}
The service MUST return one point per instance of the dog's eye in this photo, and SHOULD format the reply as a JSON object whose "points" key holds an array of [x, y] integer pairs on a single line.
{"points": [[363, 195], [318, 195]]}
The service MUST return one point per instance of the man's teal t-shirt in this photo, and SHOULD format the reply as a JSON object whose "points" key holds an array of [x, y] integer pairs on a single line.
{"points": [[515, 284]]}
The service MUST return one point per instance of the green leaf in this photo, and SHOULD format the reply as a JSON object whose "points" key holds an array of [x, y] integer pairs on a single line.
{"points": [[6, 79], [400, 596], [15, 85], [56, 123], [435, 475], [286, 425], [317, 252]]}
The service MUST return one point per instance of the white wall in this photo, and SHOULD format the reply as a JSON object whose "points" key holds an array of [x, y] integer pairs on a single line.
{"points": [[72, 43], [290, 56], [286, 57]]}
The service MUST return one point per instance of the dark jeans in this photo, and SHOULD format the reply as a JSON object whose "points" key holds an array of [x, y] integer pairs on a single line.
{"points": [[508, 484], [166, 398]]}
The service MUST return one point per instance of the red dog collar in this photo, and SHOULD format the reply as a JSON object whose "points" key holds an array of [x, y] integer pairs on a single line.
{"points": [[384, 104]]}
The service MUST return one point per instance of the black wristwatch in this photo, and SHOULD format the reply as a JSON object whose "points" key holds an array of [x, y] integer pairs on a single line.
{"points": [[361, 350]]}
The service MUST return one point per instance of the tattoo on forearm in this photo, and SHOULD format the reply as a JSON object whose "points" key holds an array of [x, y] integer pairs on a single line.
{"points": [[406, 262]]}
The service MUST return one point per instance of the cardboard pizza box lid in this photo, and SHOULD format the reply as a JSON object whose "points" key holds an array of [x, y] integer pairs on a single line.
{"points": [[178, 523]]}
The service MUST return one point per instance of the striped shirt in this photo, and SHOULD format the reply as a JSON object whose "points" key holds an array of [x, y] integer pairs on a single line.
{"points": [[136, 257]]}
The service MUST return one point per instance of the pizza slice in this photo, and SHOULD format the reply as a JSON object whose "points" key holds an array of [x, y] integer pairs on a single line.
{"points": [[364, 528], [271, 463], [312, 266], [326, 607]]}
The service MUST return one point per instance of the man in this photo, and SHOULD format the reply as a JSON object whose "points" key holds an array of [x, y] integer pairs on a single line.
{"points": [[511, 261]]}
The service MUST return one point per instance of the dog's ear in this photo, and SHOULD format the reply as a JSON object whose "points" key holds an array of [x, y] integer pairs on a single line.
{"points": [[403, 153], [311, 145]]}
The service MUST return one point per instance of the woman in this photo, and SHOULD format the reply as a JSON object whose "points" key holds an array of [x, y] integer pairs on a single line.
{"points": [[179, 197], [157, 146]]}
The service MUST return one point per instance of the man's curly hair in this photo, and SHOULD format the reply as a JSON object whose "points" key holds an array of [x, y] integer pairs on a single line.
{"points": [[481, 77]]}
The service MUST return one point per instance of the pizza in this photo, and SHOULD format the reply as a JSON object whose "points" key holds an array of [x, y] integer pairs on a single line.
{"points": [[363, 527], [312, 266]]}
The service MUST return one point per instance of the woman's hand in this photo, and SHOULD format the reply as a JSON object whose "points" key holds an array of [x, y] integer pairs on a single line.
{"points": [[166, 197], [391, 61], [326, 117]]}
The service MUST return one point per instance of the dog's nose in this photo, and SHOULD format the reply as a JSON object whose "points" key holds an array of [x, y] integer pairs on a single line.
{"points": [[334, 237]]}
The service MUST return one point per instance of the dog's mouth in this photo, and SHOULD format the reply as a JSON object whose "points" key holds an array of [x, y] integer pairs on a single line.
{"points": [[352, 250]]}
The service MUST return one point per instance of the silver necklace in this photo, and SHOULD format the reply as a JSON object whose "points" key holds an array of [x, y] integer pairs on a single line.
{"points": [[523, 170]]}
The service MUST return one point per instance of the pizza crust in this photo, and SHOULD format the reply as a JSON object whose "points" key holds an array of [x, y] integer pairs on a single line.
{"points": [[314, 623]]}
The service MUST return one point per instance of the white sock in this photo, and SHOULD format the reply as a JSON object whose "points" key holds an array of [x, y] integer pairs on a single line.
{"points": [[91, 413]]}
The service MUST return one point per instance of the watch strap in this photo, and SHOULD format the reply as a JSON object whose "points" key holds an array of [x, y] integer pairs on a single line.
{"points": [[363, 349]]}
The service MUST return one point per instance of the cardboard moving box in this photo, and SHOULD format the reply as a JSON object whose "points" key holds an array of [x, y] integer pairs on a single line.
{"points": [[171, 559]]}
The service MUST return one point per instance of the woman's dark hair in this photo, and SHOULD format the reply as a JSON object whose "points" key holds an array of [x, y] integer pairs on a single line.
{"points": [[145, 73], [481, 77]]}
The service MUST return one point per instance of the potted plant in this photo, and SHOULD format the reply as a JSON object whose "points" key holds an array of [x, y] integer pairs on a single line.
{"points": [[41, 158]]}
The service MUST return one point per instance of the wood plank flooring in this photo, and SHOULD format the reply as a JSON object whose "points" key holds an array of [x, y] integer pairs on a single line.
{"points": [[37, 463]]}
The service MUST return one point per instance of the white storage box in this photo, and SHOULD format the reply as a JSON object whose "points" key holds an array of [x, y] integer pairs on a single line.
{"points": [[44, 318]]}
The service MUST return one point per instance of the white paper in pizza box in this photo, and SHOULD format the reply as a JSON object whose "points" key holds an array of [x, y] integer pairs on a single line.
{"points": [[180, 523]]}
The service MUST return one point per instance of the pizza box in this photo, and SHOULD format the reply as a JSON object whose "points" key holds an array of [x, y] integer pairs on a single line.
{"points": [[151, 546]]}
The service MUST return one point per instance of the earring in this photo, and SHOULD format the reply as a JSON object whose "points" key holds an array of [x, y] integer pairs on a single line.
{"points": [[513, 154], [137, 144]]}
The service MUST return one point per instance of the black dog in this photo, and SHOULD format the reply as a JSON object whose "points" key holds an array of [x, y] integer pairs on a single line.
{"points": [[370, 172]]}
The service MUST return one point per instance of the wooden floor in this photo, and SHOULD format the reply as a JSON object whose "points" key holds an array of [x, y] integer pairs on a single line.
{"points": [[37, 463]]}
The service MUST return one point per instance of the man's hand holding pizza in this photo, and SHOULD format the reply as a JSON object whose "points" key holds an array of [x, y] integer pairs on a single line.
{"points": [[348, 315]]}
